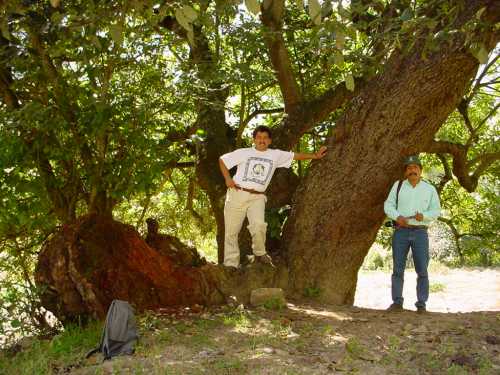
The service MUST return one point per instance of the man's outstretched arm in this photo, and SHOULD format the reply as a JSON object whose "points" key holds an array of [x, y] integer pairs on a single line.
{"points": [[225, 172], [317, 155]]}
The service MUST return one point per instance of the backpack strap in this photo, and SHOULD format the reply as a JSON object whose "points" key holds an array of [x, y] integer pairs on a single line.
{"points": [[92, 352], [397, 192]]}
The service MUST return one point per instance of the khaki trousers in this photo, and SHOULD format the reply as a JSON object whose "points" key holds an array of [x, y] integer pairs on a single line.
{"points": [[239, 204]]}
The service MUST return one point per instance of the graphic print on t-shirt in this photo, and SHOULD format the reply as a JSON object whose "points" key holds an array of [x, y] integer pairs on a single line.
{"points": [[258, 170]]}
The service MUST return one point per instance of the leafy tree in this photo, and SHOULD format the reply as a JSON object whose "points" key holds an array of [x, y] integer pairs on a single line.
{"points": [[99, 99]]}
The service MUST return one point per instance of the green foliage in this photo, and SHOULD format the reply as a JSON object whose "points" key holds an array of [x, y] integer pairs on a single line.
{"points": [[437, 287], [275, 304], [60, 354], [312, 292], [21, 313], [376, 261]]}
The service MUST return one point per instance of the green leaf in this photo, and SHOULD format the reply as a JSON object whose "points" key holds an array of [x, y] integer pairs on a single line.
{"points": [[300, 4], [349, 82], [190, 13], [253, 6], [480, 53], [56, 17], [16, 323], [480, 12], [338, 59], [182, 19], [116, 34], [406, 15], [315, 11]]}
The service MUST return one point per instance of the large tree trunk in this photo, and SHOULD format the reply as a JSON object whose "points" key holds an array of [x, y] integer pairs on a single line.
{"points": [[339, 206]]}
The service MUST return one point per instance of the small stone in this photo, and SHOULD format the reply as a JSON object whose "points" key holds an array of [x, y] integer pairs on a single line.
{"points": [[204, 354], [493, 340], [268, 350], [407, 327], [464, 360], [420, 330], [369, 356], [280, 352]]}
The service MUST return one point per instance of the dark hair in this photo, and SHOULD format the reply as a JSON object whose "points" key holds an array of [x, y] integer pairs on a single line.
{"points": [[261, 129]]}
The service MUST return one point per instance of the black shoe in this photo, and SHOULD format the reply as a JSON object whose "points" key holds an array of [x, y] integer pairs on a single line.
{"points": [[264, 259], [232, 268], [395, 307], [421, 310]]}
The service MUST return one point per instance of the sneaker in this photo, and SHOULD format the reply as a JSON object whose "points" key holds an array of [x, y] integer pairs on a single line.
{"points": [[395, 307], [264, 259], [421, 310]]}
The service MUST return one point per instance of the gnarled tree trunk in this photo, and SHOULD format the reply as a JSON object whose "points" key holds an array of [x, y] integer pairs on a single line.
{"points": [[88, 263]]}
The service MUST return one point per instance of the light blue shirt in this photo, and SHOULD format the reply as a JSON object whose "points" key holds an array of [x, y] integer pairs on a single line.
{"points": [[422, 198]]}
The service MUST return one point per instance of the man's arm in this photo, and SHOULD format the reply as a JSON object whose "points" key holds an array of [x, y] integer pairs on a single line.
{"points": [[225, 172], [305, 156]]}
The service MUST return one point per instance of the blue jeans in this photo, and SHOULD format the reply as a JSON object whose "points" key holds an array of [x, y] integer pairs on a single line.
{"points": [[418, 240]]}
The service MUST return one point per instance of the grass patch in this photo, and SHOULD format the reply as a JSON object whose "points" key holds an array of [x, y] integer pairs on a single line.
{"points": [[437, 287], [237, 319], [64, 351], [228, 366], [275, 304]]}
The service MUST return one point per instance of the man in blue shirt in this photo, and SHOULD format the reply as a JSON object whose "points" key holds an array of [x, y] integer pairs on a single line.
{"points": [[413, 204]]}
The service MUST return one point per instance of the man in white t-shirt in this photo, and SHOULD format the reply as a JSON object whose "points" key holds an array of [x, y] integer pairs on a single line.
{"points": [[246, 191]]}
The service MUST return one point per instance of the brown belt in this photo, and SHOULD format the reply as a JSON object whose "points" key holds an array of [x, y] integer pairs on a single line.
{"points": [[249, 190], [412, 227]]}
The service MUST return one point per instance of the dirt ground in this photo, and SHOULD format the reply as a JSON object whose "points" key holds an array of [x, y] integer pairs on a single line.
{"points": [[463, 290], [319, 339]]}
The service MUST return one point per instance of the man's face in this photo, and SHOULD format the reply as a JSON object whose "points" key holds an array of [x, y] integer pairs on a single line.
{"points": [[262, 141], [413, 171]]}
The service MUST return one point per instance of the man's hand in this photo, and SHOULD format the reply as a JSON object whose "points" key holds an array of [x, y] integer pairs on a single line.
{"points": [[230, 183], [402, 222], [419, 216], [321, 153]]}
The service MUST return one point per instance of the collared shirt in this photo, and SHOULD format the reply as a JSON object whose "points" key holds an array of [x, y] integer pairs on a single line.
{"points": [[255, 168], [422, 198]]}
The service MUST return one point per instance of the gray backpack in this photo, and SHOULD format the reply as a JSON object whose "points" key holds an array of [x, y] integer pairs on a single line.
{"points": [[119, 334]]}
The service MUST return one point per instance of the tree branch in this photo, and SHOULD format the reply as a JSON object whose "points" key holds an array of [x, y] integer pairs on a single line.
{"points": [[461, 167], [477, 83], [456, 237], [296, 124], [447, 173], [180, 164], [272, 19]]}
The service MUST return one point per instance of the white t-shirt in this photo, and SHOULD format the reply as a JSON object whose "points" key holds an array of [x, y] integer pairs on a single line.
{"points": [[255, 168]]}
